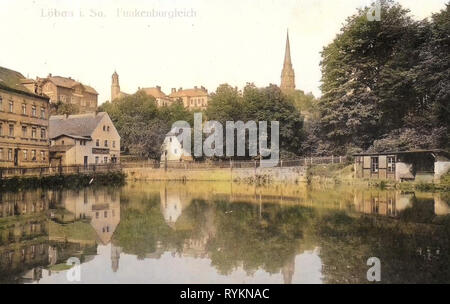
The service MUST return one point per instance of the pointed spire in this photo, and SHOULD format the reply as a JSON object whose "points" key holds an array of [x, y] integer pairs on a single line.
{"points": [[287, 74], [287, 55]]}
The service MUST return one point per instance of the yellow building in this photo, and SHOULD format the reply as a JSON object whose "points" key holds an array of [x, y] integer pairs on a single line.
{"points": [[196, 98], [66, 90], [23, 123], [83, 139]]}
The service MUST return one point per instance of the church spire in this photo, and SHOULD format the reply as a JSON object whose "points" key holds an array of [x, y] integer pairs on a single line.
{"points": [[287, 74], [287, 55]]}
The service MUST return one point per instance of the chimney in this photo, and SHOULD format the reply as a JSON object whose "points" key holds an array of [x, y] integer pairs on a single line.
{"points": [[158, 88], [203, 88], [173, 90], [195, 87], [180, 89], [49, 75]]}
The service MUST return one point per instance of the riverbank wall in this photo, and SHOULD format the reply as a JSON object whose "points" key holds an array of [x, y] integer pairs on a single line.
{"points": [[247, 175]]}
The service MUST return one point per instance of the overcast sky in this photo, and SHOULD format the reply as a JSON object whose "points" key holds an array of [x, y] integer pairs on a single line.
{"points": [[233, 41]]}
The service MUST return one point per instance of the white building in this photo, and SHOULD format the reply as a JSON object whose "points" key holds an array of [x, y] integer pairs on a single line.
{"points": [[172, 150], [83, 139]]}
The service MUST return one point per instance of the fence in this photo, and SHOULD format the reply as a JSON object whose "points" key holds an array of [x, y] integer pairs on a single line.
{"points": [[57, 170], [307, 161]]}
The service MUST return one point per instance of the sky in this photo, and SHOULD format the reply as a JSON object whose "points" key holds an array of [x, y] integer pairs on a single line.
{"points": [[175, 43]]}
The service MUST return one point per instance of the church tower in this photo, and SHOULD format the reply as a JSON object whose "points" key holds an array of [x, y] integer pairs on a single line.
{"points": [[115, 87], [287, 74]]}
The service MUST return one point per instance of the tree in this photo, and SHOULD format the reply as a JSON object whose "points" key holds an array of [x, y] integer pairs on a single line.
{"points": [[60, 108], [141, 124], [367, 80]]}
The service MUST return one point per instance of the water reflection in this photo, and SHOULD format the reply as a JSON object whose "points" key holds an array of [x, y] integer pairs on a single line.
{"points": [[224, 233]]}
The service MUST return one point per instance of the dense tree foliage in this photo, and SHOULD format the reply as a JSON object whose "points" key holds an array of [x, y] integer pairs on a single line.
{"points": [[384, 80], [260, 104], [141, 125]]}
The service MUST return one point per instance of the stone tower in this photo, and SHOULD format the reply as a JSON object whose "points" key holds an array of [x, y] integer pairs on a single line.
{"points": [[287, 74], [115, 87]]}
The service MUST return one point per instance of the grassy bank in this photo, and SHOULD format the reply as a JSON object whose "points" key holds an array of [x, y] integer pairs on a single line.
{"points": [[72, 181]]}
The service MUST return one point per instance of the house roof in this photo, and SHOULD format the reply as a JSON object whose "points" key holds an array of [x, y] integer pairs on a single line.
{"points": [[69, 83], [74, 125], [13, 81], [189, 93], [155, 92], [437, 151]]}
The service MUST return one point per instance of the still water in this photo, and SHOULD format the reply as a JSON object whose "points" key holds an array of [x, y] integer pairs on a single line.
{"points": [[223, 233]]}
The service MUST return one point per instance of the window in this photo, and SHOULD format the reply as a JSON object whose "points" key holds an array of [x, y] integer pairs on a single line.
{"points": [[1, 153], [11, 106], [105, 159], [33, 132], [391, 164], [96, 159], [374, 165], [1, 129], [175, 151], [33, 155], [43, 113], [97, 142], [25, 154], [24, 131], [107, 128], [33, 111], [24, 109], [105, 214], [96, 214], [114, 144], [104, 128], [43, 155], [43, 135], [106, 142], [11, 130], [9, 154], [1, 103]]}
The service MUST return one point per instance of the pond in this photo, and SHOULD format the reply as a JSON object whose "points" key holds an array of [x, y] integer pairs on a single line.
{"points": [[210, 232]]}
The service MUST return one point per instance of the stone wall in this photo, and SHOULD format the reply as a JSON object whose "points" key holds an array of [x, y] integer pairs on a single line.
{"points": [[285, 175]]}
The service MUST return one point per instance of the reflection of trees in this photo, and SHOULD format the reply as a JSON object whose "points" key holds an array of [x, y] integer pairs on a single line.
{"points": [[409, 252], [412, 243], [255, 240], [142, 228]]}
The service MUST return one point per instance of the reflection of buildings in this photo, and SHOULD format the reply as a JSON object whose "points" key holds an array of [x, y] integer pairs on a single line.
{"points": [[115, 257], [171, 206], [288, 270], [23, 235], [392, 203], [102, 207]]}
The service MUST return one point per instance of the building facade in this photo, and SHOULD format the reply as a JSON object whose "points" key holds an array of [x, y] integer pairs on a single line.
{"points": [[160, 97], [172, 149], [23, 123], [196, 98], [420, 165], [83, 139], [66, 90], [287, 74]]}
